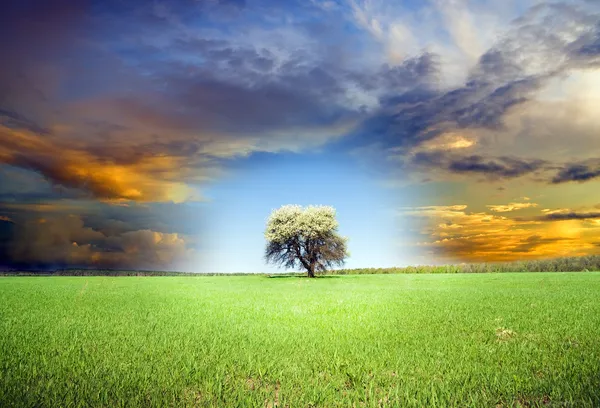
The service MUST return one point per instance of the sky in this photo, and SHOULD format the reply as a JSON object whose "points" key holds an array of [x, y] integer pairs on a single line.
{"points": [[160, 135]]}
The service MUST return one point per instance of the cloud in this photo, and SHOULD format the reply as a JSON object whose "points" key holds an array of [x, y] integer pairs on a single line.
{"points": [[511, 207], [65, 241], [447, 28], [506, 167], [453, 234], [459, 23], [78, 232], [577, 172], [131, 127], [490, 167], [237, 92], [149, 178], [568, 215], [510, 74], [447, 141], [433, 210], [533, 242], [182, 116], [178, 103], [185, 219]]}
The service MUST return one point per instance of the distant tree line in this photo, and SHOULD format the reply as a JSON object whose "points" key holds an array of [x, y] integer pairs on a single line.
{"points": [[569, 264], [113, 272], [572, 264]]}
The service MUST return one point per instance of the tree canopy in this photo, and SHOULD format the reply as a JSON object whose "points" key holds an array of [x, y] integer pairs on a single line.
{"points": [[306, 238]]}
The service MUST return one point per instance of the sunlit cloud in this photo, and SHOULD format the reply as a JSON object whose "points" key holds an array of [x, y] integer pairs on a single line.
{"points": [[153, 178], [511, 207], [453, 234], [448, 141]]}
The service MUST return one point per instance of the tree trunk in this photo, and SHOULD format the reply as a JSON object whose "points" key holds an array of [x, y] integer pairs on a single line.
{"points": [[310, 259]]}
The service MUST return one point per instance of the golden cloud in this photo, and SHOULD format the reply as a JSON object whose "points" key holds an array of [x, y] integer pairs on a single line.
{"points": [[457, 235], [510, 207], [451, 140], [145, 178]]}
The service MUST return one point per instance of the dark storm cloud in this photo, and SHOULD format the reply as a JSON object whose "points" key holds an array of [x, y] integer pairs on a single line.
{"points": [[213, 85], [161, 217], [577, 172], [588, 46], [415, 72], [505, 167], [185, 219], [563, 216], [217, 53], [421, 114], [488, 111], [64, 241], [491, 167], [296, 99], [89, 234]]}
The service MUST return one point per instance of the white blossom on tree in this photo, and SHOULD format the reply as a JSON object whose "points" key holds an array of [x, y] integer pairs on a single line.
{"points": [[304, 237]]}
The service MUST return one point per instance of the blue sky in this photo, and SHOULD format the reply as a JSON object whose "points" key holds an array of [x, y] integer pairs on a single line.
{"points": [[242, 202], [160, 134]]}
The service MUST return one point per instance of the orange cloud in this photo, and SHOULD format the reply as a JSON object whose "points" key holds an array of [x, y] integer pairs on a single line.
{"points": [[145, 178], [456, 235]]}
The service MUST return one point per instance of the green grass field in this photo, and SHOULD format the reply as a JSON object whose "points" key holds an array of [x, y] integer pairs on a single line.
{"points": [[523, 339]]}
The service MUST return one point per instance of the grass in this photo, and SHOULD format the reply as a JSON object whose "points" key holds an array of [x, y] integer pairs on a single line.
{"points": [[525, 339]]}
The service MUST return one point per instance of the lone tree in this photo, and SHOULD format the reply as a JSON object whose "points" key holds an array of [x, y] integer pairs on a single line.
{"points": [[304, 238]]}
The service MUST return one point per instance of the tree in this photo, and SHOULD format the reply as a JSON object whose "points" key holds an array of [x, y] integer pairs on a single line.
{"points": [[304, 238]]}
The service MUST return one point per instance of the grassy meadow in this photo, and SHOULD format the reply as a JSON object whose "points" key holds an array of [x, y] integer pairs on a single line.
{"points": [[522, 339]]}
